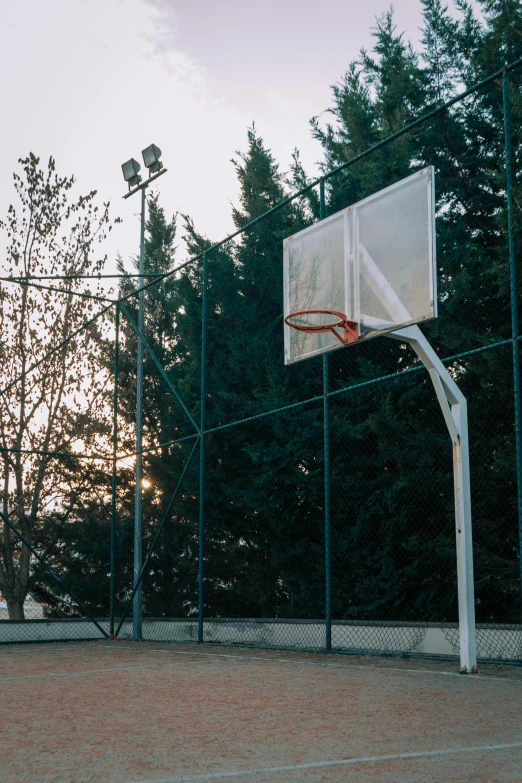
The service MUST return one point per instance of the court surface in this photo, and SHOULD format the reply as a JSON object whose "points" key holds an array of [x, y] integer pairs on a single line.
{"points": [[123, 712]]}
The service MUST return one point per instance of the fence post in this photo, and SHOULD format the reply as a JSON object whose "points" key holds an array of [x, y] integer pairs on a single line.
{"points": [[326, 430], [114, 455], [201, 532], [517, 386]]}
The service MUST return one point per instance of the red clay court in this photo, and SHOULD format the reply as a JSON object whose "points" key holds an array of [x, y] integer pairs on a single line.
{"points": [[124, 712]]}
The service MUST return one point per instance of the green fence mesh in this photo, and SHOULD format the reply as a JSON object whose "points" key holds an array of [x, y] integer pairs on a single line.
{"points": [[308, 506]]}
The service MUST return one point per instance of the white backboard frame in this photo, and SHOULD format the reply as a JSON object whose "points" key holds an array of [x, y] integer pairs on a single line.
{"points": [[356, 258]]}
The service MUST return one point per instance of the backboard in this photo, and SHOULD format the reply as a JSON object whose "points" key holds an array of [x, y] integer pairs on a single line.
{"points": [[373, 261]]}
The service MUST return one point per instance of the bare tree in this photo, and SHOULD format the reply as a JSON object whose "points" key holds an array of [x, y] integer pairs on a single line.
{"points": [[59, 404]]}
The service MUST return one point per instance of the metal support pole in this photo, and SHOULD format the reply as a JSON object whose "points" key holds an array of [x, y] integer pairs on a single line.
{"points": [[327, 514], [138, 516], [114, 463], [454, 409], [201, 532], [517, 384], [327, 486]]}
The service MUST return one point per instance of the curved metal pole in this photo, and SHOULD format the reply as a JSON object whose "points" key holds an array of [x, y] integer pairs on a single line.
{"points": [[454, 409]]}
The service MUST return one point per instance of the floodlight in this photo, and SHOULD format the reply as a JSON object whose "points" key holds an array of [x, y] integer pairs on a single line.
{"points": [[151, 158], [130, 172]]}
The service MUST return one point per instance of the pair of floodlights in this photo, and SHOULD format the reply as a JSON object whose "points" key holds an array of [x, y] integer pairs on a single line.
{"points": [[151, 159]]}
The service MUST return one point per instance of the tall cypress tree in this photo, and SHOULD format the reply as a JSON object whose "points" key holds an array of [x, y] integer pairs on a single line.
{"points": [[392, 492], [263, 509], [396, 560], [392, 482]]}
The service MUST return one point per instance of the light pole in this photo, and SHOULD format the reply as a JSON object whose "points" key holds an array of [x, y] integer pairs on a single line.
{"points": [[151, 158]]}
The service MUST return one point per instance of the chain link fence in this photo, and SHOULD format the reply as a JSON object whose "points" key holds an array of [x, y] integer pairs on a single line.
{"points": [[306, 507]]}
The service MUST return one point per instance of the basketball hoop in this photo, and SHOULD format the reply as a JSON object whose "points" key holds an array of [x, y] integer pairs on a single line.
{"points": [[350, 328]]}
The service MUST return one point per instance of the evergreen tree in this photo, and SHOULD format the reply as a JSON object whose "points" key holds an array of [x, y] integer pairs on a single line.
{"points": [[408, 569], [262, 511], [393, 535], [392, 491]]}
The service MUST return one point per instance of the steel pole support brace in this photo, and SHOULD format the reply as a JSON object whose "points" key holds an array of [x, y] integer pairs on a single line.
{"points": [[454, 409]]}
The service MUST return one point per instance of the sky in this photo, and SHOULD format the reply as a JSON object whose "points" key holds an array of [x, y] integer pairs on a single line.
{"points": [[93, 82]]}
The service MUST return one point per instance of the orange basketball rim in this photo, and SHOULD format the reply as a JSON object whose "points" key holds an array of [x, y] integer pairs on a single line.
{"points": [[350, 333]]}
